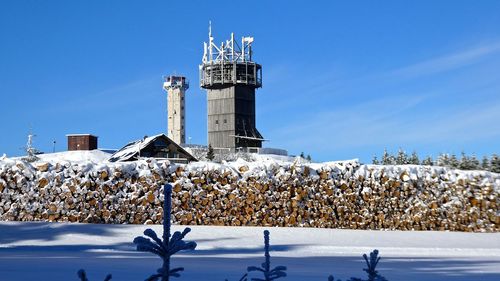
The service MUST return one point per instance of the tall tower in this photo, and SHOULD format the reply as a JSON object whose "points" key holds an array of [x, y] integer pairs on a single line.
{"points": [[176, 87], [231, 77]]}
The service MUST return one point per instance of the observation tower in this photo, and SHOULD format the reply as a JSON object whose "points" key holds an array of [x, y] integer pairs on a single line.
{"points": [[231, 77], [176, 87]]}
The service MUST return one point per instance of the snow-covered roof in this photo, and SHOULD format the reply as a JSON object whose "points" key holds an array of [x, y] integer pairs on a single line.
{"points": [[133, 148]]}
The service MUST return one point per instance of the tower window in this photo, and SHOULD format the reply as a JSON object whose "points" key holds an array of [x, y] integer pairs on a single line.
{"points": [[217, 122], [225, 121]]}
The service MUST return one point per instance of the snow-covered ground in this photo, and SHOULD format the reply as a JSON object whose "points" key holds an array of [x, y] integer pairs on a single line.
{"points": [[55, 251], [92, 156]]}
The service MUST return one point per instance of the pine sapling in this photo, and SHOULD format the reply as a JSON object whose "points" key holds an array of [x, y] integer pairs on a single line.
{"points": [[370, 270], [269, 274], [371, 265], [83, 276], [169, 246]]}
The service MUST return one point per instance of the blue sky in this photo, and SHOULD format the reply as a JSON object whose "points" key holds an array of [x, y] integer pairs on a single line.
{"points": [[341, 79]]}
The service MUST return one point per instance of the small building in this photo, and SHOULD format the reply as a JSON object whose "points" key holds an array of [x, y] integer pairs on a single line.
{"points": [[81, 142], [159, 146]]}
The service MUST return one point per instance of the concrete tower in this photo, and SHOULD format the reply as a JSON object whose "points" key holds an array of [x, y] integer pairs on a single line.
{"points": [[176, 87], [231, 77]]}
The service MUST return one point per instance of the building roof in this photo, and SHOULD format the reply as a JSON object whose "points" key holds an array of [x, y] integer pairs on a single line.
{"points": [[132, 150]]}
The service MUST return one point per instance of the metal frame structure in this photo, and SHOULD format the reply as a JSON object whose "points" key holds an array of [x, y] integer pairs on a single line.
{"points": [[229, 63]]}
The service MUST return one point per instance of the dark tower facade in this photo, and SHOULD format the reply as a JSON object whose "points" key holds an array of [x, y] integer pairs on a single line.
{"points": [[231, 78]]}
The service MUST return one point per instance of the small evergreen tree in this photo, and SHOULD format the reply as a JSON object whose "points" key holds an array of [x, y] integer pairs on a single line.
{"points": [[269, 274], [375, 160], [370, 270], [495, 164], [465, 162], [210, 153], [371, 266], [485, 163], [443, 160], [387, 159], [302, 155], [401, 158], [428, 161], [169, 245], [469, 162], [309, 158], [453, 162], [474, 163], [414, 159], [31, 151]]}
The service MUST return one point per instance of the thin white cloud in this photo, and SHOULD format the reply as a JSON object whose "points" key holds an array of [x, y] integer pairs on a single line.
{"points": [[390, 122], [347, 127], [447, 62], [465, 124]]}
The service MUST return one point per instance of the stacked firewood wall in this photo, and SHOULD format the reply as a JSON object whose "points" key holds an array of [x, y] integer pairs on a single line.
{"points": [[339, 195]]}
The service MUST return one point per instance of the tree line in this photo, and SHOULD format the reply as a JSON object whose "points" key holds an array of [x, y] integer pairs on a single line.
{"points": [[464, 162]]}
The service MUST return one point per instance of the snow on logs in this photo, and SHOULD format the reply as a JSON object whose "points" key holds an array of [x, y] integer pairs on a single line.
{"points": [[266, 193]]}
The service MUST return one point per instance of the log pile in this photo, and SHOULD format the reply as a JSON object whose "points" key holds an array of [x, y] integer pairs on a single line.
{"points": [[330, 195]]}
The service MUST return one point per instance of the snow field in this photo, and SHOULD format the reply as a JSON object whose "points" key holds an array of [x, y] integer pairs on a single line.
{"points": [[55, 251]]}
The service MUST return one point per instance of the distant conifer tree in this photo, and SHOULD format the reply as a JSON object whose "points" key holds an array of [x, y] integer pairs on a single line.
{"points": [[309, 158], [375, 160], [474, 163], [469, 162], [414, 159], [210, 153], [485, 163], [387, 159], [495, 164], [428, 161], [453, 162], [401, 158], [443, 160]]}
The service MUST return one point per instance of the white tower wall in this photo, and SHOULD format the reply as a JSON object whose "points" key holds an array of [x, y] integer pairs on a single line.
{"points": [[176, 87]]}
